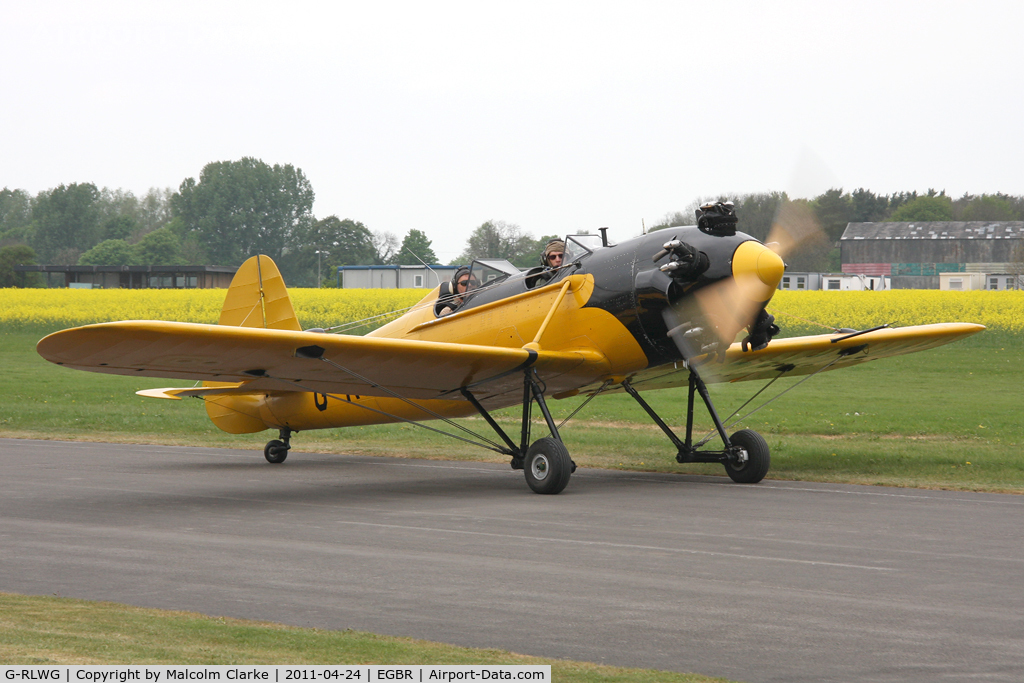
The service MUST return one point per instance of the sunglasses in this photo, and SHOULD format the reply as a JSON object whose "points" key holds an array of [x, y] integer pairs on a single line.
{"points": [[467, 282]]}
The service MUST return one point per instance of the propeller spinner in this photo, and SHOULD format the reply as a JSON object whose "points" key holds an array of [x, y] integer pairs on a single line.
{"points": [[707, 318]]}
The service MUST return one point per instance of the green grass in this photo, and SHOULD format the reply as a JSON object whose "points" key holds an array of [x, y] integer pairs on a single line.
{"points": [[945, 418], [51, 630]]}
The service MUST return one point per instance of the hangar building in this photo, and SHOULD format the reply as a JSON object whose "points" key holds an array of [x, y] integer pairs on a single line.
{"points": [[135, 277], [916, 254]]}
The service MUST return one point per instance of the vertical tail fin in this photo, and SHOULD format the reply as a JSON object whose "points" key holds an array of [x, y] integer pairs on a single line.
{"points": [[257, 297]]}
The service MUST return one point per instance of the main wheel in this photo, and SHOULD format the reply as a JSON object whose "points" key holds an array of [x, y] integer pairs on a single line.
{"points": [[275, 451], [758, 459], [547, 466]]}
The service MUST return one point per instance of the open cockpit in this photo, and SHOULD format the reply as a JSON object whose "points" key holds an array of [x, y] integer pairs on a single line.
{"points": [[489, 280]]}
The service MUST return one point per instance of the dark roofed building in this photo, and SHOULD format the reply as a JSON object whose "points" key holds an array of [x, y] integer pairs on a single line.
{"points": [[137, 277], [914, 254]]}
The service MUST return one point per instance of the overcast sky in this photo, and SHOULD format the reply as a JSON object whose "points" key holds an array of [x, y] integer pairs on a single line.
{"points": [[554, 116]]}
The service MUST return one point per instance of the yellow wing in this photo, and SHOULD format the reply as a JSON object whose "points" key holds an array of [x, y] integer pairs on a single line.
{"points": [[249, 360], [804, 355]]}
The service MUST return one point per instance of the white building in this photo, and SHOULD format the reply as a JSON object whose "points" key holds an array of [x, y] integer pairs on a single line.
{"points": [[393, 277], [843, 282], [962, 282], [801, 281], [836, 282]]}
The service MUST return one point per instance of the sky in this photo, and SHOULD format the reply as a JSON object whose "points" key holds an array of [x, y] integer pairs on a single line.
{"points": [[555, 116]]}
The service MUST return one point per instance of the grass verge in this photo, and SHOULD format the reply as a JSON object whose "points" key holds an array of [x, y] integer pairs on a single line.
{"points": [[52, 630]]}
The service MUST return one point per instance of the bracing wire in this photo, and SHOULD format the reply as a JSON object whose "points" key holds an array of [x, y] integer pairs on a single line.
{"points": [[710, 435], [492, 447], [366, 322], [749, 400], [584, 404], [418, 406]]}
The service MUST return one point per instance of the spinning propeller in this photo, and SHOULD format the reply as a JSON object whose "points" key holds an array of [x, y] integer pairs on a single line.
{"points": [[735, 303]]}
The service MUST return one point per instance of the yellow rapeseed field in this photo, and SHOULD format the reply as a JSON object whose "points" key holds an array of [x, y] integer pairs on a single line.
{"points": [[56, 308], [809, 312], [806, 312]]}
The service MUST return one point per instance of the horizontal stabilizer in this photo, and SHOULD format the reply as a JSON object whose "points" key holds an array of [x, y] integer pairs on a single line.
{"points": [[189, 392]]}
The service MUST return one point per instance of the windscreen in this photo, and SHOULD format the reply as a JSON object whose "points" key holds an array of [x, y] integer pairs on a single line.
{"points": [[486, 271], [579, 246]]}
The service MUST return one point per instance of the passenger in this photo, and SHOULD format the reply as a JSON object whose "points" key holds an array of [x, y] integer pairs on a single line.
{"points": [[462, 283]]}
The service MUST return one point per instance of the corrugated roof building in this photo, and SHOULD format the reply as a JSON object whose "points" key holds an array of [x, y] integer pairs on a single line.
{"points": [[914, 254]]}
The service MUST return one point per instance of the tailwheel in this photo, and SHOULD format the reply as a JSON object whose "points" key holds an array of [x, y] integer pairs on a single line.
{"points": [[548, 466], [751, 460], [275, 451]]}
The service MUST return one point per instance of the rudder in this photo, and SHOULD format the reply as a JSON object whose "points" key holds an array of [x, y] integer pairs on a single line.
{"points": [[258, 297]]}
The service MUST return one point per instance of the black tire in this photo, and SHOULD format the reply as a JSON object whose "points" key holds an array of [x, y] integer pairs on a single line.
{"points": [[758, 458], [275, 451], [547, 466]]}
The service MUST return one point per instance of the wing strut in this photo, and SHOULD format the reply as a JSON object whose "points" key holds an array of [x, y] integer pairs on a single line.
{"points": [[513, 449], [535, 344]]}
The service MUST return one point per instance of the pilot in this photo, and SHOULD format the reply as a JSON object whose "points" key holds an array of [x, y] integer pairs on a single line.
{"points": [[551, 259], [462, 283], [554, 252]]}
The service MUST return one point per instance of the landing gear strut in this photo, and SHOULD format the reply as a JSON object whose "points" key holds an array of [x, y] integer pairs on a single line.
{"points": [[546, 463], [746, 457], [277, 450]]}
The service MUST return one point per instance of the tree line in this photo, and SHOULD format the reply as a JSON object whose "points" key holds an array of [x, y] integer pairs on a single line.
{"points": [[233, 210], [239, 208], [833, 209]]}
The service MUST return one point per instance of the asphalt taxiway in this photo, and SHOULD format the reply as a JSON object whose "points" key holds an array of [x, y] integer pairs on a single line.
{"points": [[779, 581]]}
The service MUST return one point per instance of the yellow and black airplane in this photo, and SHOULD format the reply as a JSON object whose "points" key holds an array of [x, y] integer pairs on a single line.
{"points": [[654, 312]]}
